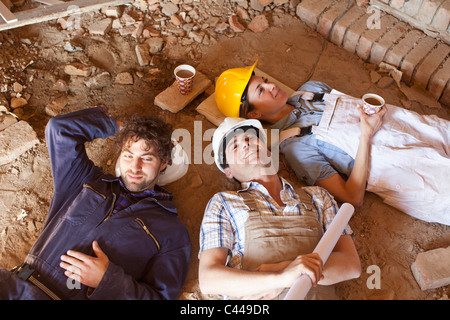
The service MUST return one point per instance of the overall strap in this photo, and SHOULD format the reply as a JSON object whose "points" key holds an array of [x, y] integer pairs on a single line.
{"points": [[305, 198], [250, 202]]}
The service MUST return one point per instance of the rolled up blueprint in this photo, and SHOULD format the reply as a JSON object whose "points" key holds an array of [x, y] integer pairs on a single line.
{"points": [[303, 284]]}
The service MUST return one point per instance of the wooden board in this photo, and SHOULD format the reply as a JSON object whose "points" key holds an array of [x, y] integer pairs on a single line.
{"points": [[7, 15], [56, 11]]}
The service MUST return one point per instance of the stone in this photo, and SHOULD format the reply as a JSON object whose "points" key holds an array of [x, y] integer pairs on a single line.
{"points": [[101, 27], [235, 25], [259, 24], [56, 106], [99, 81], [77, 69], [431, 268], [6, 120], [111, 12], [142, 54], [15, 140], [124, 78], [18, 102], [169, 9], [155, 44]]}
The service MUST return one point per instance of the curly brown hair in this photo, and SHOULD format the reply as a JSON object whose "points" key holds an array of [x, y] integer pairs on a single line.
{"points": [[154, 131]]}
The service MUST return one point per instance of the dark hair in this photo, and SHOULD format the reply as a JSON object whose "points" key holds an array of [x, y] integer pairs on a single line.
{"points": [[246, 106], [153, 130]]}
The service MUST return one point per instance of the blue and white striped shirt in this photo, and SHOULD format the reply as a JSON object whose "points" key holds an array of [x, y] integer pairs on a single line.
{"points": [[226, 214]]}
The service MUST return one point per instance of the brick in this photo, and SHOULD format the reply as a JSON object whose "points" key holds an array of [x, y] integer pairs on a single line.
{"points": [[381, 47], [411, 8], [439, 80], [259, 24], [7, 120], [397, 4], [327, 19], [341, 26], [428, 10], [401, 49], [309, 11], [431, 268], [431, 63], [445, 98], [142, 54], [442, 18], [15, 140], [372, 35], [101, 27], [171, 99], [56, 106], [78, 69], [353, 33], [415, 56], [235, 25]]}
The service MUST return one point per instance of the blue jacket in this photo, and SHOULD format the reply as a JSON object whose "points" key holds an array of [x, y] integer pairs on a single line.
{"points": [[147, 245]]}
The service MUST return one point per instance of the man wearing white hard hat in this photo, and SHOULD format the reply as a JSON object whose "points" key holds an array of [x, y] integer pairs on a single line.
{"points": [[255, 242]]}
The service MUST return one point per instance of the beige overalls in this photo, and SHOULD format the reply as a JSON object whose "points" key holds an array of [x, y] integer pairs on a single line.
{"points": [[273, 239]]}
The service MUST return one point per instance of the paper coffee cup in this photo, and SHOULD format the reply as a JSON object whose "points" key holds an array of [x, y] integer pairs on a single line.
{"points": [[184, 75], [372, 103]]}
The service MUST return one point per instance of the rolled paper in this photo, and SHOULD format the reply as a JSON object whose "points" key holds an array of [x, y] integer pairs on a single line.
{"points": [[303, 284]]}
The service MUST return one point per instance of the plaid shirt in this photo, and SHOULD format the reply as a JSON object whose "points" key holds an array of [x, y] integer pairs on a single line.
{"points": [[226, 213], [127, 198]]}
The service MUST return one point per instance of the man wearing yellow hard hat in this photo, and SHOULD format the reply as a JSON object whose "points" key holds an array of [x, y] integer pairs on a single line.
{"points": [[330, 142]]}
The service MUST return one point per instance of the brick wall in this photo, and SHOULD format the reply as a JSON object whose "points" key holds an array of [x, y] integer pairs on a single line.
{"points": [[430, 16]]}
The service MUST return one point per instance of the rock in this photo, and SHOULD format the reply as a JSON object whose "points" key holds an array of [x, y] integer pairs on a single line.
{"points": [[55, 107], [235, 25], [374, 76], [138, 30], [77, 69], [15, 140], [259, 24], [17, 87], [169, 9], [18, 102], [142, 54], [124, 78], [111, 12], [99, 81], [197, 36], [155, 44], [101, 27]]}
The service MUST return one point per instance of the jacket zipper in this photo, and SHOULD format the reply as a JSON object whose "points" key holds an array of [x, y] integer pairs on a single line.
{"points": [[89, 187], [142, 224]]}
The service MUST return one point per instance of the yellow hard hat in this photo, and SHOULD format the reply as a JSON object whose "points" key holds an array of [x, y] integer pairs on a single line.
{"points": [[230, 87]]}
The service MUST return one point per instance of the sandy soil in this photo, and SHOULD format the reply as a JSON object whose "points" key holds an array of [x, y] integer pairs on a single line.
{"points": [[287, 50]]}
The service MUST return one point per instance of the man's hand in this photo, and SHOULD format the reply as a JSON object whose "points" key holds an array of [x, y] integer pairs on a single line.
{"points": [[83, 268], [309, 264]]}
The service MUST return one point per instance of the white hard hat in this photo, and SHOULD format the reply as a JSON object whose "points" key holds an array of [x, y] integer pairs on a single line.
{"points": [[228, 125]]}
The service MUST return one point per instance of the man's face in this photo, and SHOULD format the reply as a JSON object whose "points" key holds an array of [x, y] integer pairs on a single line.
{"points": [[247, 156], [139, 166], [266, 97]]}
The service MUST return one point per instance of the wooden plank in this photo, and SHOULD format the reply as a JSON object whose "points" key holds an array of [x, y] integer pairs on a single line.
{"points": [[49, 2], [59, 10], [7, 15]]}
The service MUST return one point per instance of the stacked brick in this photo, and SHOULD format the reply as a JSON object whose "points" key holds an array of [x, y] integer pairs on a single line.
{"points": [[378, 37]]}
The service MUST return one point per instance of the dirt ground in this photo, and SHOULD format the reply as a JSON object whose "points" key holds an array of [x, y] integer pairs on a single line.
{"points": [[384, 236]]}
